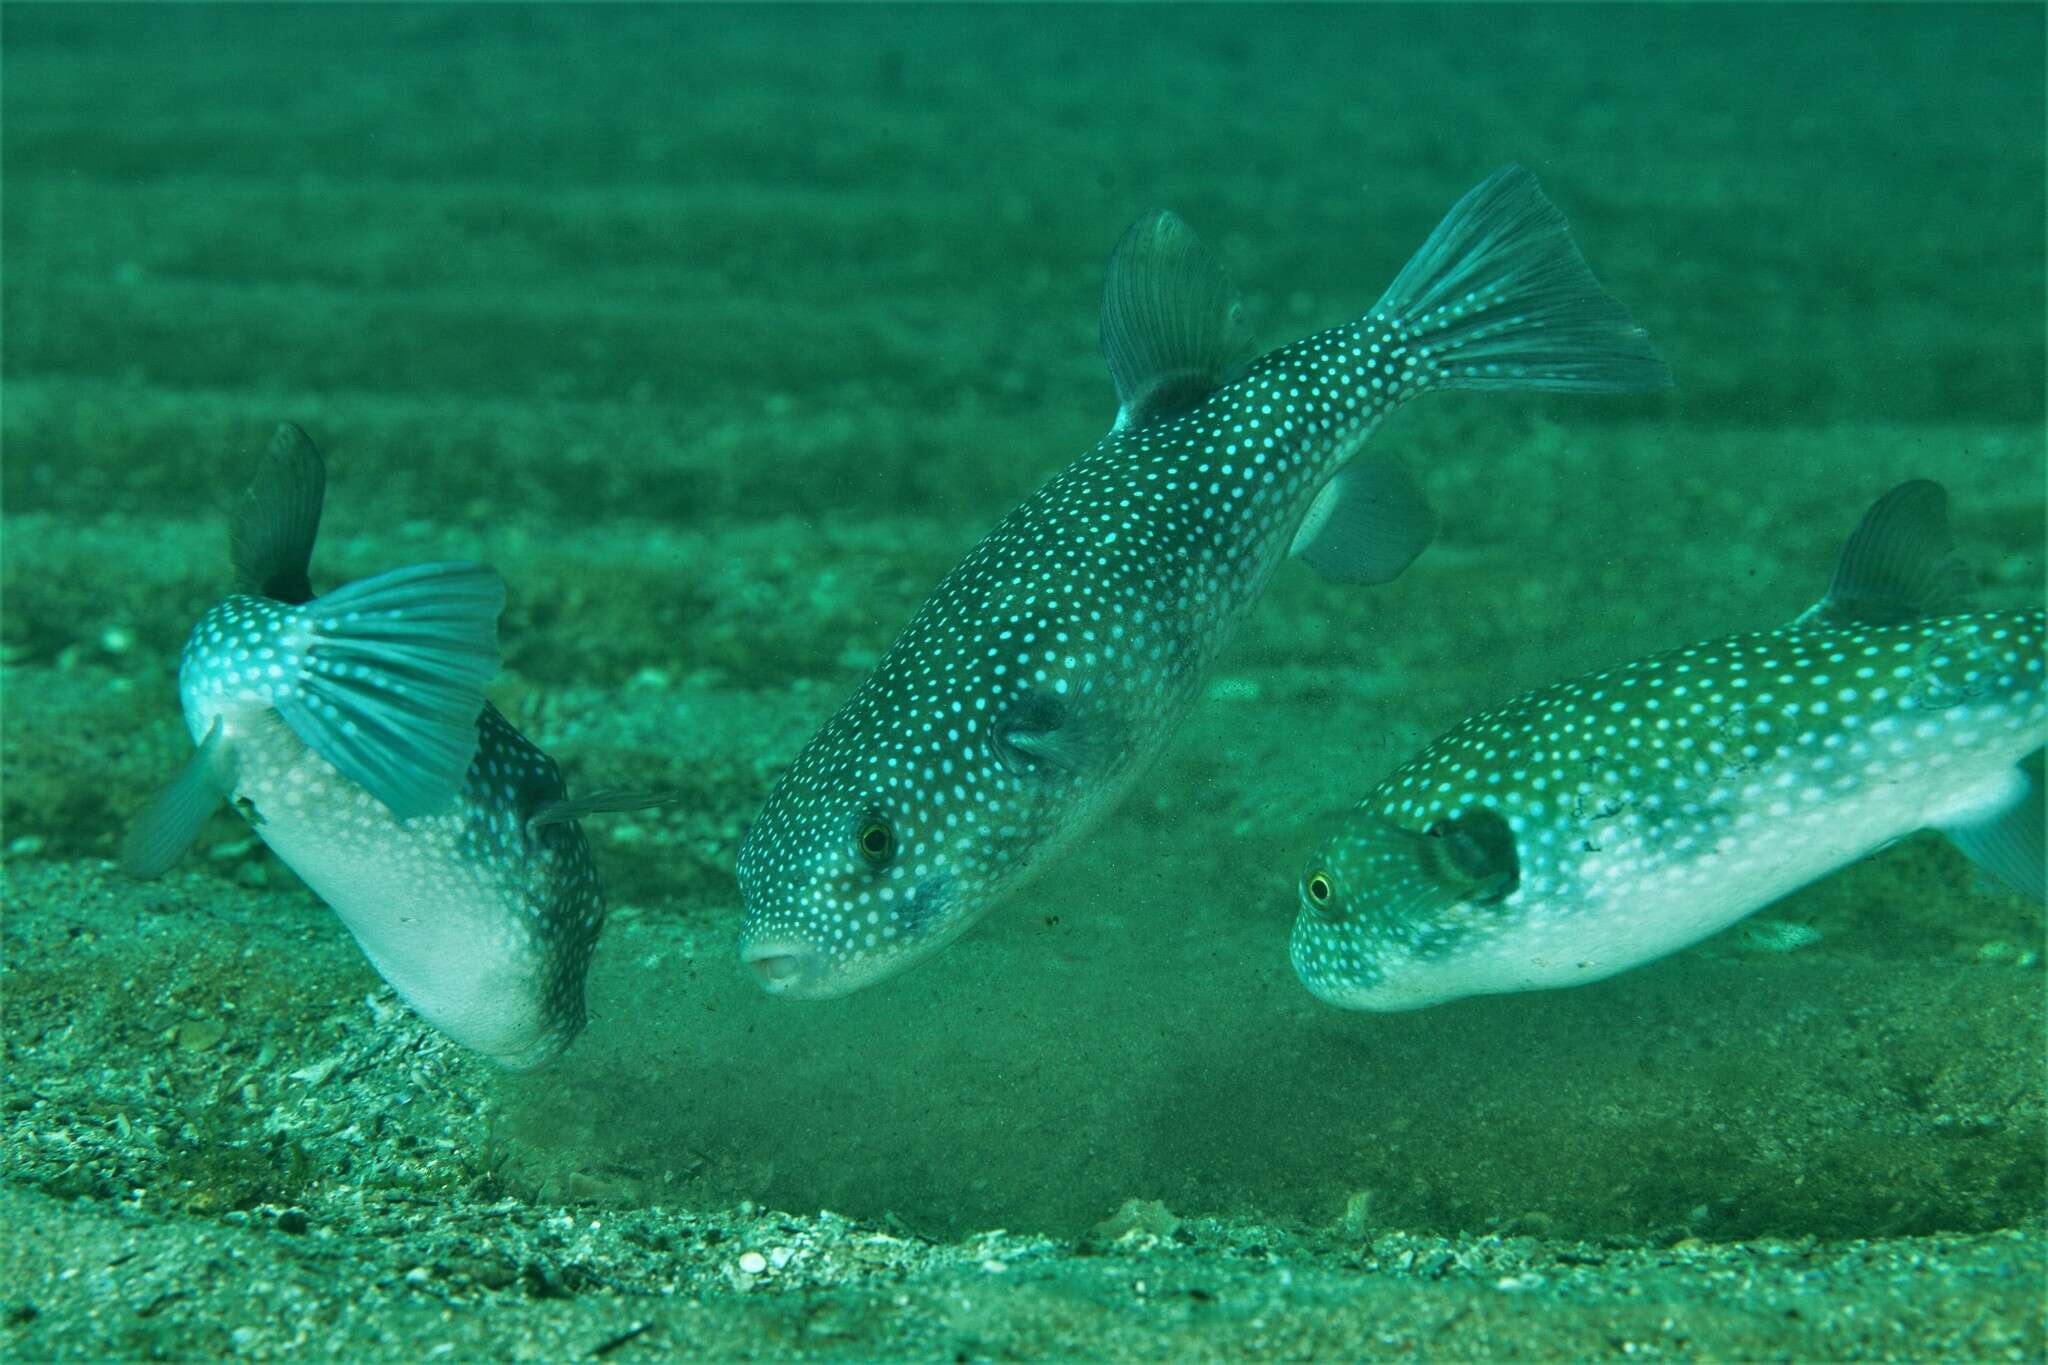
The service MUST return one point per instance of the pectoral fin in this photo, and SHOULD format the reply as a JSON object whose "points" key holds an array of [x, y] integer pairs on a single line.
{"points": [[567, 811], [1407, 875], [392, 680], [1045, 732]]}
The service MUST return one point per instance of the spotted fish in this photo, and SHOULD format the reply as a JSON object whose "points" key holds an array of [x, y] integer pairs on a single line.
{"points": [[352, 732], [1039, 678], [1602, 823]]}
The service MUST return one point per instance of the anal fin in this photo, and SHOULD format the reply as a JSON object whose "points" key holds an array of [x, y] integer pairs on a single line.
{"points": [[2009, 845], [1367, 525], [166, 827]]}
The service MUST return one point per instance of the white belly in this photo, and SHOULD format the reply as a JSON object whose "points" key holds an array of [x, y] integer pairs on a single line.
{"points": [[1648, 892], [453, 933]]}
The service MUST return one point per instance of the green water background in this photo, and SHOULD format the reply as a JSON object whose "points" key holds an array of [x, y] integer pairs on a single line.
{"points": [[724, 332]]}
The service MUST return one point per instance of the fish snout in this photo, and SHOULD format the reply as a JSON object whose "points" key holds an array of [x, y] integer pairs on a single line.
{"points": [[781, 968]]}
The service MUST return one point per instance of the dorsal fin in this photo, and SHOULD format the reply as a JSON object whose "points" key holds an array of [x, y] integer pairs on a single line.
{"points": [[270, 541], [1172, 325], [1900, 562]]}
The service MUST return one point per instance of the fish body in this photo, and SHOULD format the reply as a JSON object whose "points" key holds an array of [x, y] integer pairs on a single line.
{"points": [[1046, 671], [1598, 824], [352, 732]]}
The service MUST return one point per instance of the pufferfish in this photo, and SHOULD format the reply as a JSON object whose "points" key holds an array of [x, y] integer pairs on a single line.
{"points": [[352, 732], [1602, 823], [1044, 673]]}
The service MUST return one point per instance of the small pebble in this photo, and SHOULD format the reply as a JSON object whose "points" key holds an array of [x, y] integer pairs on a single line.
{"points": [[1779, 936], [1357, 1221], [197, 1035], [318, 1072], [1235, 689], [753, 1262], [1137, 1218]]}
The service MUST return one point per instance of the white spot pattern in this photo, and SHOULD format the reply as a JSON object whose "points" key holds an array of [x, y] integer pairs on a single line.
{"points": [[1657, 803], [1045, 671], [1109, 593], [484, 926]]}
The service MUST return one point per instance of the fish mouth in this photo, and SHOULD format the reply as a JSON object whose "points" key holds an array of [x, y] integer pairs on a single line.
{"points": [[791, 966], [539, 1054], [779, 968], [790, 969], [1387, 988]]}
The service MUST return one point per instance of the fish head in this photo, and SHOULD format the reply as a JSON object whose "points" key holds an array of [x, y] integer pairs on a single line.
{"points": [[1386, 909], [854, 871]]}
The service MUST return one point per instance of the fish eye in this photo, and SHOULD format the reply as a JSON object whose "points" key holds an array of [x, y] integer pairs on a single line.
{"points": [[876, 842], [1320, 890]]}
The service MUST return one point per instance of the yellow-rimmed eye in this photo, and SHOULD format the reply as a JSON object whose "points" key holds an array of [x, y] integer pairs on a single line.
{"points": [[1319, 890], [876, 842]]}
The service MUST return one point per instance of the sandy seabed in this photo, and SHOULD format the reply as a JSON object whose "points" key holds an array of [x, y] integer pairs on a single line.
{"points": [[722, 334]]}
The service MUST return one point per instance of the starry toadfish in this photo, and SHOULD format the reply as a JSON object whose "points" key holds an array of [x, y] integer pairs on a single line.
{"points": [[352, 732], [1601, 823], [1042, 674]]}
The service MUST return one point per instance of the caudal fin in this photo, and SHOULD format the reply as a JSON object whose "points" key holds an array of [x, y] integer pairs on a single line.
{"points": [[392, 680], [1499, 298]]}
